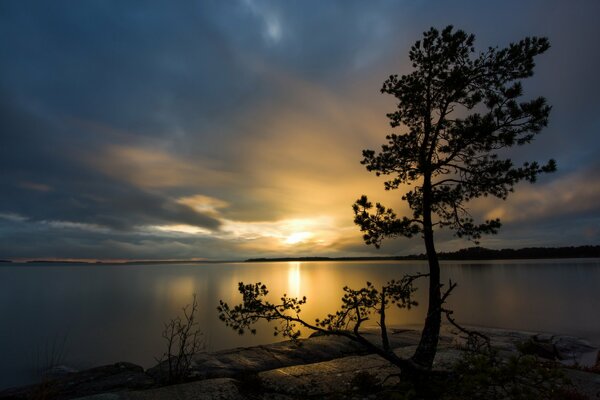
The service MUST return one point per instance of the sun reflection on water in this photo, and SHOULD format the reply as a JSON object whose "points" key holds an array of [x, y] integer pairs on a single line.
{"points": [[294, 279], [178, 291]]}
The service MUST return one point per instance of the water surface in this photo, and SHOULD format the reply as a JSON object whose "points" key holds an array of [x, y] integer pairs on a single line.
{"points": [[89, 315]]}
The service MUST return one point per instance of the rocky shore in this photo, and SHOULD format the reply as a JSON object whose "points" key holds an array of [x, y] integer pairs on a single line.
{"points": [[321, 367]]}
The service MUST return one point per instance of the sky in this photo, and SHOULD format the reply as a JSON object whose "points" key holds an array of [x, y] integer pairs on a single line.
{"points": [[234, 129]]}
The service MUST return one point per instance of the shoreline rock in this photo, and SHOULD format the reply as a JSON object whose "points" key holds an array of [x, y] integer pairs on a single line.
{"points": [[244, 360], [320, 366], [107, 378]]}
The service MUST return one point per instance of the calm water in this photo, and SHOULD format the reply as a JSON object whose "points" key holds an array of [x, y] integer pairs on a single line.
{"points": [[92, 315]]}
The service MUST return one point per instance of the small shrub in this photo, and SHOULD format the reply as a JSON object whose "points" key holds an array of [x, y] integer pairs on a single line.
{"points": [[535, 348], [570, 394], [184, 340], [249, 383], [595, 369], [50, 356], [487, 376], [45, 390], [365, 382]]}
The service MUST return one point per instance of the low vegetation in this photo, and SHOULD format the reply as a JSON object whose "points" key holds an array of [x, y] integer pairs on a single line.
{"points": [[184, 339]]}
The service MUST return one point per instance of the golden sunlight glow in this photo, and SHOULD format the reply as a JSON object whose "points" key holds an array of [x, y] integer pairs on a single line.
{"points": [[181, 228], [294, 279], [178, 290], [298, 237], [203, 204], [286, 235], [153, 168], [318, 231]]}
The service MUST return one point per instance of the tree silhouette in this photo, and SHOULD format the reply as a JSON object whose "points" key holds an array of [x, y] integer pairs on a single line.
{"points": [[357, 308], [458, 111], [450, 157]]}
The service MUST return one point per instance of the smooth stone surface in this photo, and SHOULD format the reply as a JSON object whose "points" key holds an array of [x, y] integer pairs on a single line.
{"points": [[327, 379], [59, 371], [211, 389], [568, 350], [323, 367], [574, 351], [235, 362], [585, 382], [107, 378]]}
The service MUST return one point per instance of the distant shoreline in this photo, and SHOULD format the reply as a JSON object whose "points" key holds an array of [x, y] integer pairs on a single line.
{"points": [[468, 254], [139, 262]]}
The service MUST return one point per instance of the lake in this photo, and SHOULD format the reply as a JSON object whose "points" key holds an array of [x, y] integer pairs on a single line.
{"points": [[89, 315]]}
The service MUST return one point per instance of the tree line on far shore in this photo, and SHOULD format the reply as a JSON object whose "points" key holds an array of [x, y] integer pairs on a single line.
{"points": [[471, 253]]}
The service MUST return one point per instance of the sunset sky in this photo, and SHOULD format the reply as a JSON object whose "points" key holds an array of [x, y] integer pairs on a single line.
{"points": [[234, 129]]}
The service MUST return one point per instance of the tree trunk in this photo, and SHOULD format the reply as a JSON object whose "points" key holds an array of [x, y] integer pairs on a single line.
{"points": [[427, 348]]}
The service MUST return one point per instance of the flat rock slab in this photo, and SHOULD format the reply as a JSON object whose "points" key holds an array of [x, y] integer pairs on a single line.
{"points": [[319, 380], [574, 351], [568, 350], [331, 379], [336, 376], [108, 378], [211, 389], [586, 382], [322, 366], [325, 378], [241, 361]]}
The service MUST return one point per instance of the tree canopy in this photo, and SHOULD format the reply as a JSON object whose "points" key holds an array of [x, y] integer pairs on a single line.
{"points": [[457, 110]]}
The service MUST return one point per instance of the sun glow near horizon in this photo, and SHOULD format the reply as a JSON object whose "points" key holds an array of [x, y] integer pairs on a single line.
{"points": [[283, 234], [298, 237]]}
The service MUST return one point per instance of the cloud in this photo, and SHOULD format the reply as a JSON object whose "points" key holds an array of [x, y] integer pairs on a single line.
{"points": [[203, 204], [207, 129], [154, 168], [306, 165], [570, 195], [13, 217], [76, 225], [40, 187], [180, 229], [272, 27]]}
